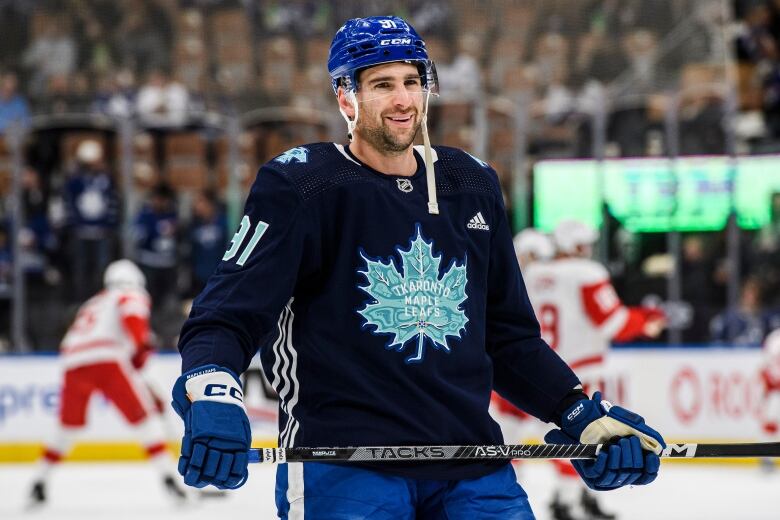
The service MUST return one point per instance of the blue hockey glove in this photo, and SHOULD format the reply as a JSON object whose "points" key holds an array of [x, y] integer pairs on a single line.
{"points": [[217, 435], [631, 448]]}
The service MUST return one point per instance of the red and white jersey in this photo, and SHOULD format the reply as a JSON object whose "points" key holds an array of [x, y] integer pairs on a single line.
{"points": [[107, 328], [578, 309]]}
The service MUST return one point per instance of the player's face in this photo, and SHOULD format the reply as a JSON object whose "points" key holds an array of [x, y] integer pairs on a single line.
{"points": [[391, 104]]}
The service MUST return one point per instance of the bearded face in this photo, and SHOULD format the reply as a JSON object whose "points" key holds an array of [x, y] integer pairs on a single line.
{"points": [[391, 105]]}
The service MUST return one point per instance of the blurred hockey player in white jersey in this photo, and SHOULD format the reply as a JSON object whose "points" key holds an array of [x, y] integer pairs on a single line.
{"points": [[103, 352], [580, 314], [770, 377]]}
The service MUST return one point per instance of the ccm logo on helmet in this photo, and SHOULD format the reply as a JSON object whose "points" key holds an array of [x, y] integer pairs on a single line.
{"points": [[396, 41]]}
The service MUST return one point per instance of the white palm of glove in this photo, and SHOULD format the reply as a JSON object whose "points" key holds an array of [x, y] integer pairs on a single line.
{"points": [[604, 429]]}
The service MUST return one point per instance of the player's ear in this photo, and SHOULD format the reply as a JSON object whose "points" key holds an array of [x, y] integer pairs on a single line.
{"points": [[345, 103]]}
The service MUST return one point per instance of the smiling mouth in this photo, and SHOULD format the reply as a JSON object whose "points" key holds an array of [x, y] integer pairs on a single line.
{"points": [[403, 121]]}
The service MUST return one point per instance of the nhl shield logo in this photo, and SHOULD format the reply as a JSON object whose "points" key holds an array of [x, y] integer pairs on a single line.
{"points": [[405, 185]]}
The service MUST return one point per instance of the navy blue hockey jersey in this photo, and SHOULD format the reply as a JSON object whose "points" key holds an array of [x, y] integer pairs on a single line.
{"points": [[379, 324]]}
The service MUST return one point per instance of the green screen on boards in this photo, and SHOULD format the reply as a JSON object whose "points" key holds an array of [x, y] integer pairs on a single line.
{"points": [[657, 195]]}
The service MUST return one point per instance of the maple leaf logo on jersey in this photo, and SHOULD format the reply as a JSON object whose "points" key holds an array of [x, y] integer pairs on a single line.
{"points": [[417, 304], [299, 153]]}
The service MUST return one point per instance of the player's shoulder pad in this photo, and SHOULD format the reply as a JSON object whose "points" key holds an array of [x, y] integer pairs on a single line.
{"points": [[302, 159], [313, 168], [584, 270], [464, 172]]}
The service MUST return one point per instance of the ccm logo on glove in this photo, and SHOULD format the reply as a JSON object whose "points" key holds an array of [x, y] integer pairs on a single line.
{"points": [[215, 390], [215, 385], [575, 412]]}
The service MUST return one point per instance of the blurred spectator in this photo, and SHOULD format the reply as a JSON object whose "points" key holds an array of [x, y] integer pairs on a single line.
{"points": [[15, 16], [81, 91], [641, 48], [558, 101], [52, 53], [143, 37], [757, 43], [13, 106], [629, 122], [597, 58], [66, 94], [754, 40], [156, 236], [550, 58], [36, 211], [706, 42], [701, 110], [116, 94], [461, 76], [162, 101], [432, 17], [96, 53], [57, 97], [300, 18], [92, 217], [749, 323], [208, 239], [698, 286], [279, 66], [38, 245]]}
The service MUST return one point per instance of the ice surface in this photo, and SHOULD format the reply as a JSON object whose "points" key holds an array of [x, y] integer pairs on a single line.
{"points": [[81, 491]]}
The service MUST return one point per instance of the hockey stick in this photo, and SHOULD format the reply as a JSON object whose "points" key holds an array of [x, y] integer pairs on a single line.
{"points": [[497, 452]]}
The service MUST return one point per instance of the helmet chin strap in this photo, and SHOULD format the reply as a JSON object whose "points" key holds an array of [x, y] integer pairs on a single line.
{"points": [[430, 174], [351, 123]]}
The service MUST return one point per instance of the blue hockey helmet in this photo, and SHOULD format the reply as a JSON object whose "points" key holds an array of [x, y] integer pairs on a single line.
{"points": [[365, 42]]}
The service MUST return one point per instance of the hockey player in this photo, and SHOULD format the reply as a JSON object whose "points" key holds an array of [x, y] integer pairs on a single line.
{"points": [[384, 314], [770, 377], [580, 314], [102, 352], [532, 246]]}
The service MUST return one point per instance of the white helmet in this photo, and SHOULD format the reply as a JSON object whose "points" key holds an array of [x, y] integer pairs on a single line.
{"points": [[89, 151], [772, 344], [532, 242], [569, 234], [124, 273]]}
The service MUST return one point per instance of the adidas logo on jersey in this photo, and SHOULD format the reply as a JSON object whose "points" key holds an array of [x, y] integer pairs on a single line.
{"points": [[478, 222]]}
